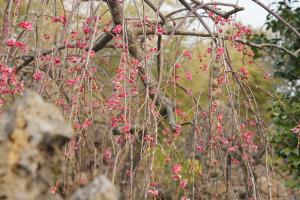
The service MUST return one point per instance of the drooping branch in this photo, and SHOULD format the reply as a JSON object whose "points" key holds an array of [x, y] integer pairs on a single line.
{"points": [[164, 105]]}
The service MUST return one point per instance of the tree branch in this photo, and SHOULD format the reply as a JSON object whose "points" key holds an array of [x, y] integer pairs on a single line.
{"points": [[185, 4], [163, 18], [278, 17], [266, 45]]}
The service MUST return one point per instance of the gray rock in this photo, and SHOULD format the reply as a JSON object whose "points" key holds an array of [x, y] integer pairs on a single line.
{"points": [[33, 134], [99, 189]]}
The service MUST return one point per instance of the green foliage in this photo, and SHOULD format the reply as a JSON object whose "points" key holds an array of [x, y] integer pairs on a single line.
{"points": [[286, 116], [287, 110]]}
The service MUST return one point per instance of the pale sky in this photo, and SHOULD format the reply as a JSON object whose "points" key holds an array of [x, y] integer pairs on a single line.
{"points": [[253, 14]]}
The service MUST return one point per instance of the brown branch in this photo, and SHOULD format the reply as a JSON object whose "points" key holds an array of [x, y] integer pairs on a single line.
{"points": [[225, 15], [29, 58], [269, 45], [207, 6], [278, 17], [153, 7], [100, 43], [171, 32], [185, 4]]}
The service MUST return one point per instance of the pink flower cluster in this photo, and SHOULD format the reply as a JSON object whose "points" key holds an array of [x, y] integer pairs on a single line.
{"points": [[9, 85], [160, 30], [26, 26], [61, 19], [117, 29], [14, 43]]}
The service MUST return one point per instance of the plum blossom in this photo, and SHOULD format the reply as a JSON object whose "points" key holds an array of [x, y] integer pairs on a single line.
{"points": [[183, 183], [107, 155], [177, 65], [153, 192], [26, 25], [11, 42], [187, 54], [176, 169], [189, 76], [219, 52], [117, 29], [244, 71], [160, 30], [37, 76]]}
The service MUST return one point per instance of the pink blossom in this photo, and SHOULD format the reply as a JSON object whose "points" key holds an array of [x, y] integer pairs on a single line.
{"points": [[160, 30], [199, 149], [153, 192], [221, 80], [244, 71], [87, 123], [153, 50], [176, 169], [219, 129], [187, 54], [248, 137], [56, 61], [177, 65], [2, 102], [60, 102], [189, 76], [189, 92], [72, 82], [117, 29], [220, 117], [37, 76], [252, 123], [74, 34], [220, 52], [107, 155], [26, 25], [81, 45], [53, 189], [87, 30], [178, 129], [128, 173], [179, 112], [62, 19], [11, 42], [183, 183], [232, 149], [72, 59], [126, 128], [20, 45], [152, 184]]}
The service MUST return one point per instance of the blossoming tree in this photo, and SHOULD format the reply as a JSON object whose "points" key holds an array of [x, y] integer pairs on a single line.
{"points": [[126, 75]]}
